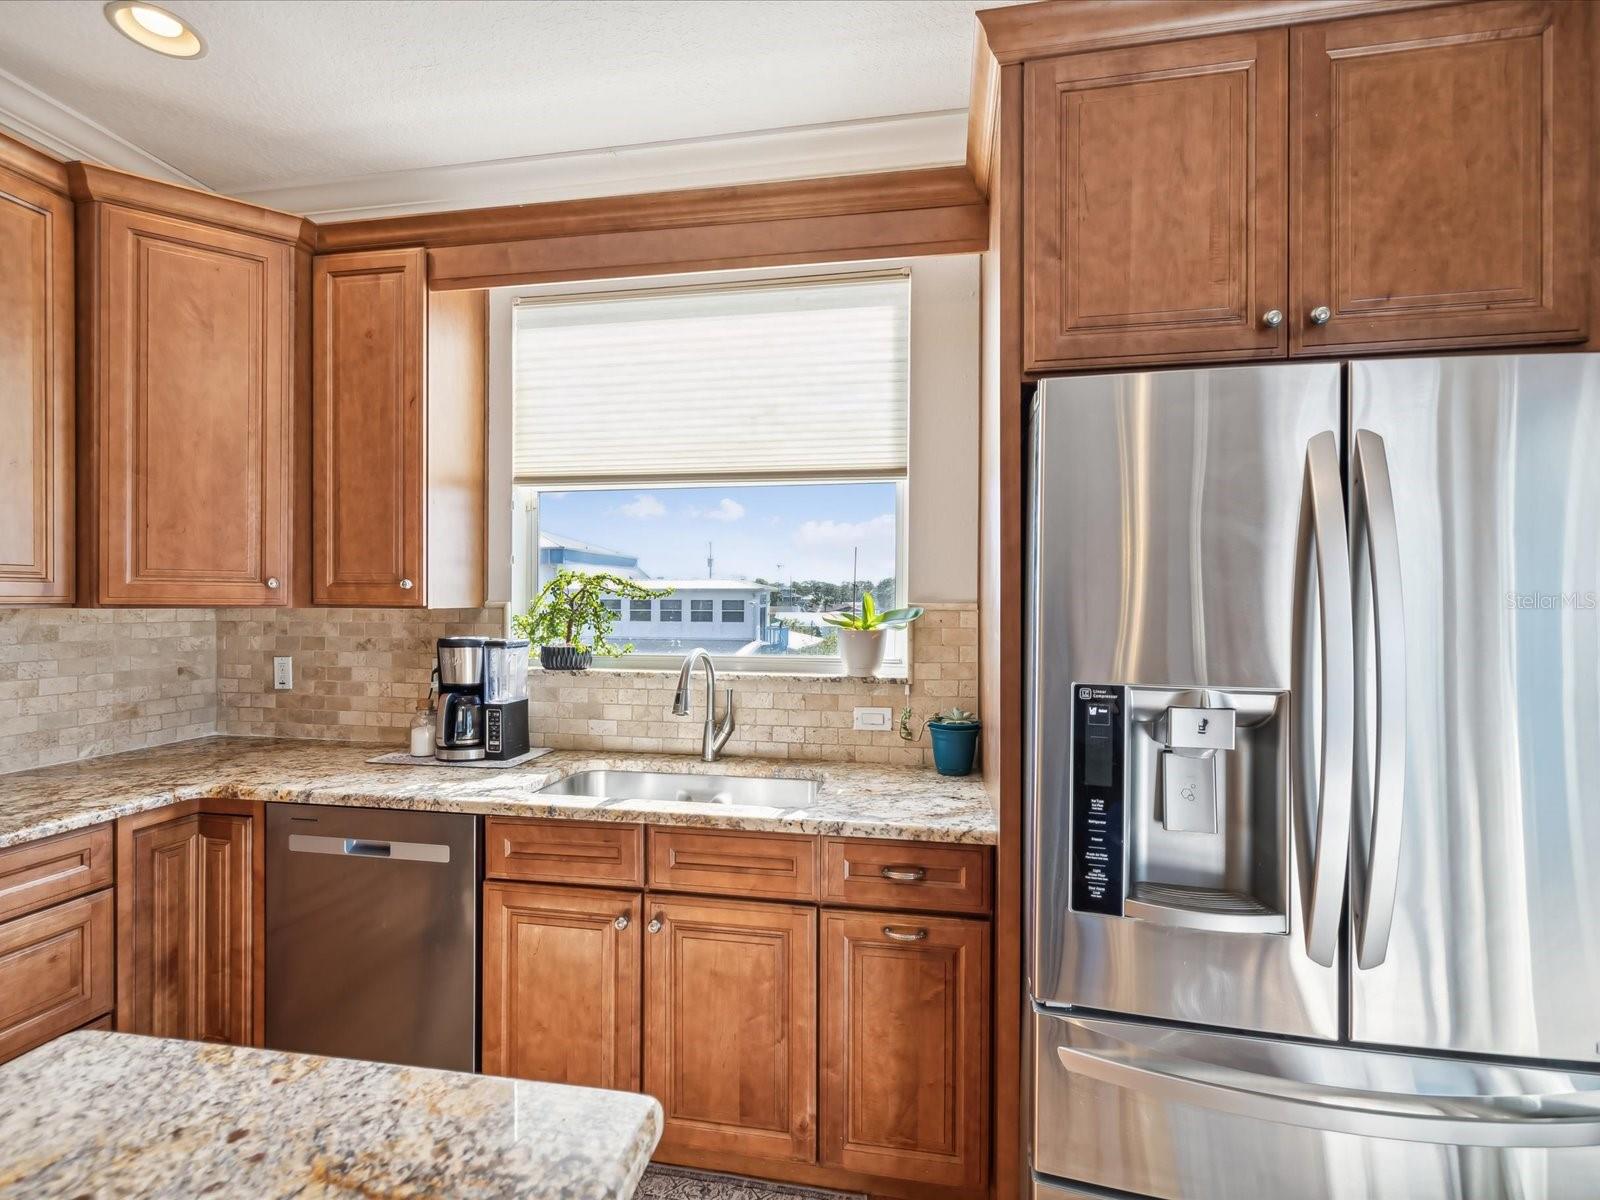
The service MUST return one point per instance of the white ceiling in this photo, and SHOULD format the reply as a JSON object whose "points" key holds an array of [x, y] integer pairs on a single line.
{"points": [[358, 106]]}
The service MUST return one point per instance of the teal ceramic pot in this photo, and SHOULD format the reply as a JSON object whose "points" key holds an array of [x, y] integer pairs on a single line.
{"points": [[954, 747]]}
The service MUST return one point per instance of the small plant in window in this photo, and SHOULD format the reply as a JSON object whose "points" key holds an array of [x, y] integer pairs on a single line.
{"points": [[861, 634], [569, 620]]}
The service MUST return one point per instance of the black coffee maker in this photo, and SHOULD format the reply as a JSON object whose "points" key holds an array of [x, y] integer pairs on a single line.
{"points": [[458, 722]]}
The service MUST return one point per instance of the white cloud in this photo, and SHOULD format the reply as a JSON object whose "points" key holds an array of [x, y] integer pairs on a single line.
{"points": [[847, 533], [643, 508], [724, 510]]}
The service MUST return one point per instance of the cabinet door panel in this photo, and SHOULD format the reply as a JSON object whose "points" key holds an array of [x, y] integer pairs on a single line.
{"points": [[36, 399], [193, 413], [1154, 201], [905, 1019], [223, 1005], [561, 985], [55, 971], [370, 313], [1441, 175], [166, 953], [730, 1027]]}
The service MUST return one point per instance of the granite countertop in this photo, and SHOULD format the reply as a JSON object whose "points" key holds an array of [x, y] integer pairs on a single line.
{"points": [[908, 803], [115, 1114]]}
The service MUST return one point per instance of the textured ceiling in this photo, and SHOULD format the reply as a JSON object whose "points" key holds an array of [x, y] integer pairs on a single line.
{"points": [[301, 91]]}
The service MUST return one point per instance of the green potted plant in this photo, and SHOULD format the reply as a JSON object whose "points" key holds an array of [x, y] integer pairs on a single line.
{"points": [[861, 634], [569, 621], [954, 734]]}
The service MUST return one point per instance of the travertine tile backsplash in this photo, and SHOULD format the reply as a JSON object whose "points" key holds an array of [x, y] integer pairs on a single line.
{"points": [[80, 683]]}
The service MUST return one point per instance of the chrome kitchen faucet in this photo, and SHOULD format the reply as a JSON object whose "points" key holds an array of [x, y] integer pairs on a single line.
{"points": [[716, 733]]}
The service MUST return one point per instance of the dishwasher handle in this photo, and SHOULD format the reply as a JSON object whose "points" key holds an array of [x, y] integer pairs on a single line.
{"points": [[311, 843]]}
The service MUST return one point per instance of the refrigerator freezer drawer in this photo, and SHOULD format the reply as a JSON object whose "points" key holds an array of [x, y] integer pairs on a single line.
{"points": [[1184, 1115]]}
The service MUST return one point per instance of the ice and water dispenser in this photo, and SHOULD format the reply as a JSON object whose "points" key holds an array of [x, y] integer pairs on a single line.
{"points": [[1179, 809]]}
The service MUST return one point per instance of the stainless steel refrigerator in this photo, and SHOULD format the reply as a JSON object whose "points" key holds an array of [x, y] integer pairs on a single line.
{"points": [[1314, 810]]}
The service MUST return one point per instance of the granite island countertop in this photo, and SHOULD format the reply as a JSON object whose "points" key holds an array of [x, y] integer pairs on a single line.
{"points": [[909, 803], [116, 1114]]}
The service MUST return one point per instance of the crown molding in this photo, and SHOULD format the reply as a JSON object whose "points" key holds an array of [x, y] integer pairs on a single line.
{"points": [[805, 152], [72, 137]]}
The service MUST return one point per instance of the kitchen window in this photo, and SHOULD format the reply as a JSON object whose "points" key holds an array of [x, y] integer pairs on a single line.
{"points": [[740, 445]]}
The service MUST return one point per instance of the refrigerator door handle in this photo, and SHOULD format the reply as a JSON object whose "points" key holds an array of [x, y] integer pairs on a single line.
{"points": [[1520, 1122], [1323, 859], [1372, 522]]}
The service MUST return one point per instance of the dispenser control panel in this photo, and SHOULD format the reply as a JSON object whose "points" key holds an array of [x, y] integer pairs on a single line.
{"points": [[1098, 744]]}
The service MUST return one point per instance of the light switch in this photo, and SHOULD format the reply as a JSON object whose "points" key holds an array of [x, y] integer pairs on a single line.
{"points": [[282, 673], [873, 718]]}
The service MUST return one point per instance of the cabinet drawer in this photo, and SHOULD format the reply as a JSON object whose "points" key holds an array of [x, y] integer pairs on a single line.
{"points": [[768, 865], [909, 875], [589, 852], [55, 972], [38, 874]]}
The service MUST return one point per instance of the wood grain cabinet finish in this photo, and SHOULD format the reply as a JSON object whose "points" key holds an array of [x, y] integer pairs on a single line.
{"points": [[37, 874], [1441, 177], [1154, 202], [597, 853], [728, 863], [730, 1026], [561, 999], [908, 875], [186, 417], [399, 418], [36, 393], [904, 1058], [55, 971], [187, 897]]}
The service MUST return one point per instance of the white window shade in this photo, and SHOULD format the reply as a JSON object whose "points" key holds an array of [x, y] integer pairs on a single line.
{"points": [[793, 380]]}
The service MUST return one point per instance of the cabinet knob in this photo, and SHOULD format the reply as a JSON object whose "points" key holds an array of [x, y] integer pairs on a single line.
{"points": [[406, 585], [620, 923], [1321, 314], [272, 581], [655, 925], [904, 935], [1272, 318]]}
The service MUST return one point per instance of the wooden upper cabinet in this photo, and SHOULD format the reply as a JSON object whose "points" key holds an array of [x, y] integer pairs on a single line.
{"points": [[187, 413], [399, 414], [904, 1057], [36, 392], [561, 985], [730, 1026], [1153, 202], [1441, 177]]}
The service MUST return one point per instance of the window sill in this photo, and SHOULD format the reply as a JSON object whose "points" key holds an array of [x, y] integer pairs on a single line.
{"points": [[894, 676]]}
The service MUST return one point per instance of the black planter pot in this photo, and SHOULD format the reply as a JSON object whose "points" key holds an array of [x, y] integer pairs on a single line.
{"points": [[565, 658]]}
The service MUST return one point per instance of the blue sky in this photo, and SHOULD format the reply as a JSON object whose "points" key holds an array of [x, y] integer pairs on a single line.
{"points": [[787, 531]]}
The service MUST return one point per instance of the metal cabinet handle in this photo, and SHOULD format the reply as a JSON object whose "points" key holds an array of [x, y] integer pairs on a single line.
{"points": [[904, 935], [904, 874], [1324, 552], [655, 925], [406, 585], [1272, 318], [1380, 791], [272, 581], [620, 923], [1321, 314]]}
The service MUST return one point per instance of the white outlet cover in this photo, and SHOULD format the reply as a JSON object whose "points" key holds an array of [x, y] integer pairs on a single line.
{"points": [[873, 718], [282, 673]]}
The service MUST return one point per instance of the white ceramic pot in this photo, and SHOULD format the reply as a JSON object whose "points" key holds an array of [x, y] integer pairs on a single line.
{"points": [[862, 651]]}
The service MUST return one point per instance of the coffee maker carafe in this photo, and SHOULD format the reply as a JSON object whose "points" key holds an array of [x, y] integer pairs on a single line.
{"points": [[458, 727]]}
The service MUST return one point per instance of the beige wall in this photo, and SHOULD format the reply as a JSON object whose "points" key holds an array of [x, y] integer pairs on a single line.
{"points": [[77, 683]]}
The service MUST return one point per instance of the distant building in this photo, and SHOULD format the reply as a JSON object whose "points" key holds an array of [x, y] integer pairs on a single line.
{"points": [[557, 553], [724, 616]]}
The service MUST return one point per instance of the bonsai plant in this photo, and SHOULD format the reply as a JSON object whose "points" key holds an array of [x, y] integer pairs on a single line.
{"points": [[954, 733], [861, 635], [571, 606]]}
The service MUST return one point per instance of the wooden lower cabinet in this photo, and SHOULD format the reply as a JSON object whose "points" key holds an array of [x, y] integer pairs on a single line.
{"points": [[561, 984], [55, 971], [904, 1055], [187, 950], [730, 1026]]}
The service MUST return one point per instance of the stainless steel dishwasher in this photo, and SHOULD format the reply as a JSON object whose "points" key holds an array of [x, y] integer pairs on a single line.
{"points": [[372, 934]]}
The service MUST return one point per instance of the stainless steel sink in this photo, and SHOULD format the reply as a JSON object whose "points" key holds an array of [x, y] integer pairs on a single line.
{"points": [[686, 789]]}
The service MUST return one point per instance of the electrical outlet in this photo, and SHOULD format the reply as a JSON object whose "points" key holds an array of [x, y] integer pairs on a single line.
{"points": [[283, 673], [873, 718]]}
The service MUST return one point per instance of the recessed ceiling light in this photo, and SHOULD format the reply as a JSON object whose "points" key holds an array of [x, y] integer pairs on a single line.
{"points": [[154, 28]]}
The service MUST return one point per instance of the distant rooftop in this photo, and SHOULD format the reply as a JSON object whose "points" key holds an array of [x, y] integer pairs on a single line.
{"points": [[709, 585]]}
